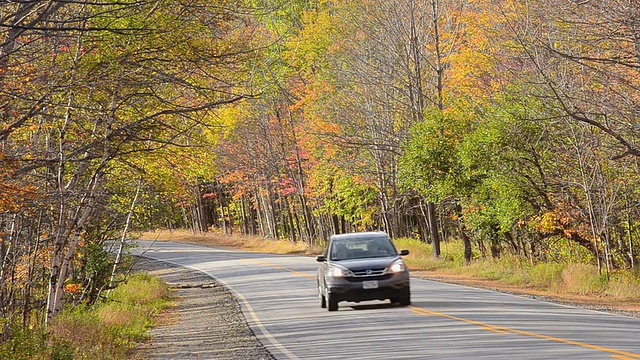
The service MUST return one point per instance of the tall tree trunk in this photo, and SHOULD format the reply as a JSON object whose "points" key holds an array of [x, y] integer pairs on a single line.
{"points": [[243, 214], [201, 219], [33, 255], [260, 213], [630, 231], [463, 234], [223, 215], [433, 228], [288, 212], [62, 260], [5, 251], [123, 238]]}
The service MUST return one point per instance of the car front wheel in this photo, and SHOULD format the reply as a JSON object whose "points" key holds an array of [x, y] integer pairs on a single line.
{"points": [[323, 300], [332, 305], [405, 299]]}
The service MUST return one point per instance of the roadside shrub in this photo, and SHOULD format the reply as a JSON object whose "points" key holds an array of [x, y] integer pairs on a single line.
{"points": [[62, 350], [564, 251], [132, 306], [421, 255], [35, 344], [417, 248], [106, 331], [508, 269]]}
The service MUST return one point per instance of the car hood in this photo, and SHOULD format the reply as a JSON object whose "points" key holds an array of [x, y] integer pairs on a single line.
{"points": [[368, 263]]}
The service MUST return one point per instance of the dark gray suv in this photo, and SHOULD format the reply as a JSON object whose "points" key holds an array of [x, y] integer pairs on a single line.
{"points": [[362, 266]]}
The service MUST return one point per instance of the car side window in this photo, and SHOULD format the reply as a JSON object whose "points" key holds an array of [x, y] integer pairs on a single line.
{"points": [[378, 247], [388, 248], [339, 251]]}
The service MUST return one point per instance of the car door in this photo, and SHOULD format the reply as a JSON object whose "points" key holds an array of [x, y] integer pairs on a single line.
{"points": [[322, 269]]}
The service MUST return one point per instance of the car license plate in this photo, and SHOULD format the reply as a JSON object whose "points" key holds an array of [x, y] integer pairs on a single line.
{"points": [[372, 284]]}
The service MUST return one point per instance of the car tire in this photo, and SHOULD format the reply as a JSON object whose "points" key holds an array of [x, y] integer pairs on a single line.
{"points": [[332, 305], [323, 300], [405, 299]]}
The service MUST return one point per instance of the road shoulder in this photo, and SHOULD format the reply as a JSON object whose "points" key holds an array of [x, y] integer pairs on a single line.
{"points": [[206, 321], [599, 303]]}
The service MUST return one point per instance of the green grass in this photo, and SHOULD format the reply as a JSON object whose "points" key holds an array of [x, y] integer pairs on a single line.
{"points": [[35, 344], [107, 331], [132, 307], [555, 277]]}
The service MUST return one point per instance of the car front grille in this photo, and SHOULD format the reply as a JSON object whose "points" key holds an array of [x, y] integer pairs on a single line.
{"points": [[368, 272], [359, 279]]}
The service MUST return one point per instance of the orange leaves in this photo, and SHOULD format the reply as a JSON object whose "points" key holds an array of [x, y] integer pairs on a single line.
{"points": [[13, 193], [72, 288]]}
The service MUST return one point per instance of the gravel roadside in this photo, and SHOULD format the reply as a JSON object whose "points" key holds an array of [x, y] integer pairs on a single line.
{"points": [[205, 323]]}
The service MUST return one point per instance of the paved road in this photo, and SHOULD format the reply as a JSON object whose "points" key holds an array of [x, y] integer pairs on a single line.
{"points": [[278, 295]]}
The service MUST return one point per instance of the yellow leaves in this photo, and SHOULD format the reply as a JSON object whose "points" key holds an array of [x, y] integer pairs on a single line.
{"points": [[228, 116], [553, 222], [548, 222]]}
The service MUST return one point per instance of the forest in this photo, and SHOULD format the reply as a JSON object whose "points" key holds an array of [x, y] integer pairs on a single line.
{"points": [[511, 126]]}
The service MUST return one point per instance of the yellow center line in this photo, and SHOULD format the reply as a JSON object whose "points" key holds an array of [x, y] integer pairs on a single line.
{"points": [[618, 354], [259, 262], [495, 330]]}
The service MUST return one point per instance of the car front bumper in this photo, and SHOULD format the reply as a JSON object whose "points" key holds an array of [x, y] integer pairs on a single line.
{"points": [[351, 289]]}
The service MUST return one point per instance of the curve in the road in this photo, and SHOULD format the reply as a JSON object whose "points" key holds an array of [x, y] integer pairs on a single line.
{"points": [[290, 328], [246, 303]]}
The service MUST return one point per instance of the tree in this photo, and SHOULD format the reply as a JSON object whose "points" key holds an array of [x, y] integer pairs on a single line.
{"points": [[111, 81]]}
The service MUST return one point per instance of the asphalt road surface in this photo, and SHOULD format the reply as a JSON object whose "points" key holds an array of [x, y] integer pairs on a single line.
{"points": [[279, 299]]}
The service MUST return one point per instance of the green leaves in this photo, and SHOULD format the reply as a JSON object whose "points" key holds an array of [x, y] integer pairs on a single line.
{"points": [[431, 163]]}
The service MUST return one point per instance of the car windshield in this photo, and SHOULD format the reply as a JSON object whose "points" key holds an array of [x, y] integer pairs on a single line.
{"points": [[359, 248]]}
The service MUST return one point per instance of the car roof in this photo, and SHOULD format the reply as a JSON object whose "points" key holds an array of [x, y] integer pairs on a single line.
{"points": [[360, 235]]}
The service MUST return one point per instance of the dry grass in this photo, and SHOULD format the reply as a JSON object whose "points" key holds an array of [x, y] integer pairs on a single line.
{"points": [[582, 279], [112, 328], [246, 243], [114, 316], [624, 285]]}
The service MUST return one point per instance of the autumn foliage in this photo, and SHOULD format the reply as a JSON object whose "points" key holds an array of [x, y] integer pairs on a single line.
{"points": [[507, 125]]}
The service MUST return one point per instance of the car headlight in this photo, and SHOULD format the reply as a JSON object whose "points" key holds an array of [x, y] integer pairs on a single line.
{"points": [[338, 271], [396, 267]]}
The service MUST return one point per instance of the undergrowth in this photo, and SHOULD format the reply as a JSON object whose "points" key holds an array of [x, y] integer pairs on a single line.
{"points": [[559, 277], [106, 331]]}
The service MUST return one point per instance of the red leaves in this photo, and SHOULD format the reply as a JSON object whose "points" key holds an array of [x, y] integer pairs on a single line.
{"points": [[288, 186]]}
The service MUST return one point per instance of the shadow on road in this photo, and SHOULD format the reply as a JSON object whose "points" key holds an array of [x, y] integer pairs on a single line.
{"points": [[374, 306]]}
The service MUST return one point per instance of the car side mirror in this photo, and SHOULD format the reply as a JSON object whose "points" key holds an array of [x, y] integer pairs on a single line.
{"points": [[404, 252], [321, 258]]}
